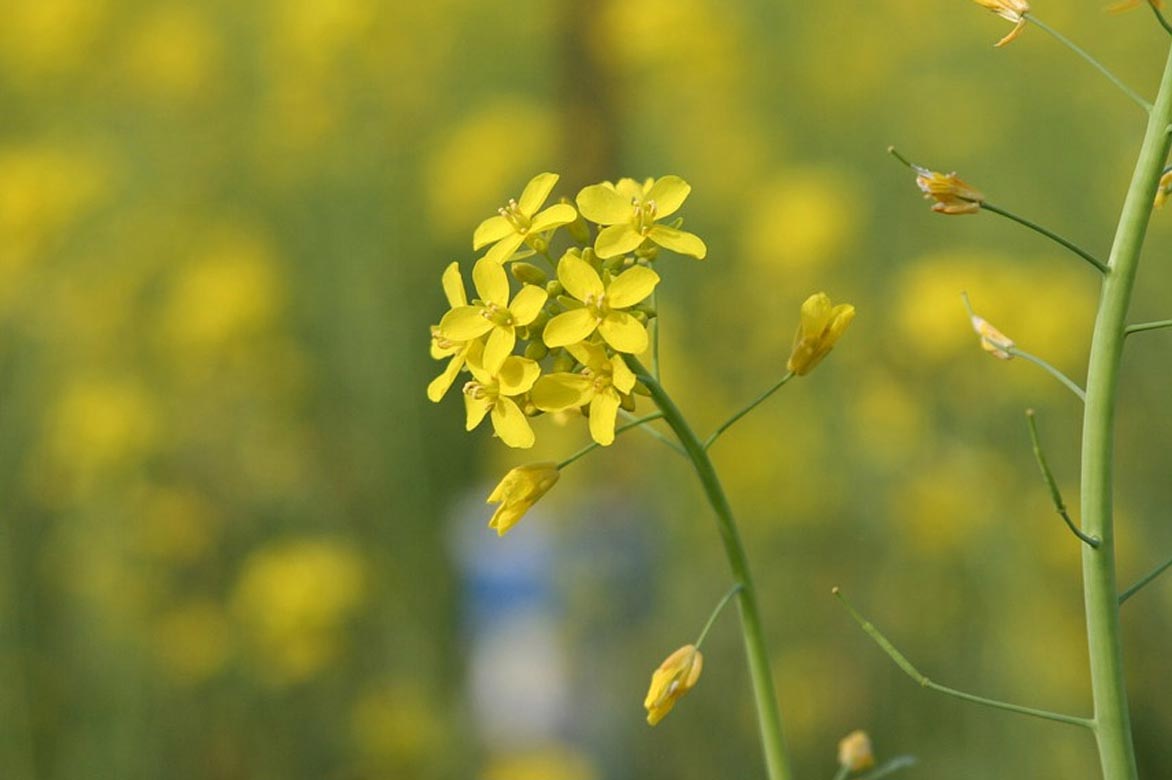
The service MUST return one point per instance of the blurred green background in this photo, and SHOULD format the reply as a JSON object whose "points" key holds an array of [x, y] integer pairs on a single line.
{"points": [[238, 542]]}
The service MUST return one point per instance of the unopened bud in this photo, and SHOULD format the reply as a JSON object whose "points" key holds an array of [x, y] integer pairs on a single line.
{"points": [[527, 273]]}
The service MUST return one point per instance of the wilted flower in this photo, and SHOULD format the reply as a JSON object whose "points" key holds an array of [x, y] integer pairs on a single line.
{"points": [[630, 210], [821, 326], [518, 491], [952, 195], [854, 752], [993, 341], [675, 676], [1013, 10]]}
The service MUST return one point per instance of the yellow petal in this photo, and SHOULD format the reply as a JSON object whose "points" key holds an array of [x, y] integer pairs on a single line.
{"points": [[579, 277], [1016, 31], [621, 377], [439, 386], [511, 425], [632, 190], [617, 240], [527, 305], [535, 193], [590, 355], [631, 286], [678, 241], [603, 410], [623, 332], [454, 286], [474, 409], [561, 391], [669, 193], [492, 283], [554, 216], [816, 313], [517, 375], [602, 203], [491, 230], [499, 346], [502, 250], [569, 328], [464, 323]]}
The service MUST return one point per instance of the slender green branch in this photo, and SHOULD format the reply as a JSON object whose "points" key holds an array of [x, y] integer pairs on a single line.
{"points": [[621, 429], [1099, 265], [1131, 93], [1037, 361], [652, 432], [911, 671], [890, 767], [843, 772], [1160, 17], [734, 590], [1055, 495], [1156, 572], [1142, 326], [752, 405], [760, 669]]}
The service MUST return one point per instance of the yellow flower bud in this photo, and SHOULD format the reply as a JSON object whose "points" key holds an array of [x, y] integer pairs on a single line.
{"points": [[518, 491], [854, 751], [820, 328], [952, 195], [675, 676], [1164, 189]]}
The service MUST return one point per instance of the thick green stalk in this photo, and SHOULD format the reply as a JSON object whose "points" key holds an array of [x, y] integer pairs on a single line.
{"points": [[768, 713], [1112, 718]]}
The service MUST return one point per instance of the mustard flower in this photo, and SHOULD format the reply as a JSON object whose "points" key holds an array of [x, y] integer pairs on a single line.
{"points": [[518, 491], [1011, 10], [675, 676], [629, 211], [993, 341], [602, 306], [602, 384], [821, 326], [442, 347], [520, 221], [494, 390], [854, 752], [493, 313], [952, 195]]}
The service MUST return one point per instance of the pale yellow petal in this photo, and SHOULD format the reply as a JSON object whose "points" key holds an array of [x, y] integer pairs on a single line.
{"points": [[464, 323], [517, 375], [590, 355], [623, 332], [678, 241], [816, 312], [491, 230], [631, 190], [579, 278], [475, 409], [492, 283], [511, 424], [603, 409], [527, 305], [536, 191], [621, 377], [502, 250], [603, 204], [669, 193], [617, 240], [561, 391], [554, 216], [569, 328], [439, 386], [499, 346], [631, 286]]}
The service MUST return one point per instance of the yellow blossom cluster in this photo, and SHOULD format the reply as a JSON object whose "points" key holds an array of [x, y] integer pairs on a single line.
{"points": [[552, 338]]}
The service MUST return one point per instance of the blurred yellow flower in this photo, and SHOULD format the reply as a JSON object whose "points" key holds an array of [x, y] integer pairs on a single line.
{"points": [[602, 306], [675, 676], [493, 313], [629, 211], [1012, 10], [602, 384], [518, 492], [193, 640], [494, 390], [520, 221], [820, 328], [854, 752], [1164, 189], [952, 195]]}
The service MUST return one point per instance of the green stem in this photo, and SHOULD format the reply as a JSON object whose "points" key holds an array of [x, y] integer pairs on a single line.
{"points": [[1160, 18], [752, 405], [1116, 749], [734, 590], [891, 767], [1050, 234], [621, 429], [1142, 326], [1156, 572], [1061, 377], [1055, 494], [653, 433], [911, 671], [1131, 93], [768, 713]]}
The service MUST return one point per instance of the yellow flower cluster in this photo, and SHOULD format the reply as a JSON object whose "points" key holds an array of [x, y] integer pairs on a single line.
{"points": [[556, 343]]}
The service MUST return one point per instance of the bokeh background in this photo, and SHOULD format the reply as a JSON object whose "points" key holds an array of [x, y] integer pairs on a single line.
{"points": [[237, 541]]}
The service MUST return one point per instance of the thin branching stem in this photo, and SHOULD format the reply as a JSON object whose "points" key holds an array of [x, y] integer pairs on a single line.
{"points": [[1099, 265], [1156, 572], [1160, 17], [750, 407], [1142, 326], [1061, 377], [734, 590], [621, 429], [1131, 93], [890, 767], [651, 431], [1055, 494]]}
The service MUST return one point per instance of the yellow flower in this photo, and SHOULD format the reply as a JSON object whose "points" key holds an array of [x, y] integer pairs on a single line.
{"points": [[629, 211], [602, 307], [442, 347], [854, 752], [675, 676], [493, 313], [1013, 10], [1164, 189], [602, 384], [518, 491], [821, 326], [494, 391], [520, 220], [952, 195]]}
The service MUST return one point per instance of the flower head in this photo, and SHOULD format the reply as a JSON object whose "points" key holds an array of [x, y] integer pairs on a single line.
{"points": [[494, 391], [675, 676], [493, 313], [518, 491], [629, 211], [602, 383], [952, 195], [602, 306], [520, 221], [1012, 10], [820, 328], [854, 752]]}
